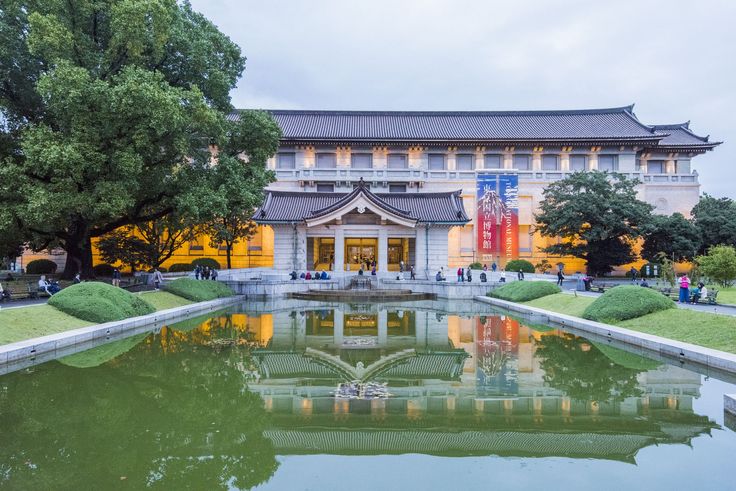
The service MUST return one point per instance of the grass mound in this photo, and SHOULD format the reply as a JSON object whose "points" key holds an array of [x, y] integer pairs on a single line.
{"points": [[523, 291], [198, 290], [626, 302], [99, 302]]}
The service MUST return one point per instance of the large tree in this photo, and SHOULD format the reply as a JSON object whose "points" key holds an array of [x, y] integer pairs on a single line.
{"points": [[598, 217], [237, 184], [715, 219], [109, 111], [674, 236]]}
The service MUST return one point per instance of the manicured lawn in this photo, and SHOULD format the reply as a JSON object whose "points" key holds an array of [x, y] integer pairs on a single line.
{"points": [[164, 300], [17, 324], [726, 295], [701, 328], [30, 322], [562, 303]]}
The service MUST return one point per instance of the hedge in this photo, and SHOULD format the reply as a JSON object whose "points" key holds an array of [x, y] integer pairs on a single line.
{"points": [[523, 291], [198, 291], [181, 267], [206, 262], [41, 266], [626, 302], [519, 264], [99, 302], [103, 270], [476, 266]]}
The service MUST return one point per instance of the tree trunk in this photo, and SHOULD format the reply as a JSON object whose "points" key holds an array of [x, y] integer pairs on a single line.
{"points": [[229, 250], [78, 258]]}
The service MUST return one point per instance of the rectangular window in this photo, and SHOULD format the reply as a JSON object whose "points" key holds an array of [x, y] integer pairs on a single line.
{"points": [[437, 161], [465, 161], [397, 161], [326, 161], [397, 188], [196, 246], [493, 161], [656, 167], [578, 163], [255, 243], [361, 161], [608, 163], [286, 160], [522, 162], [550, 162], [325, 188]]}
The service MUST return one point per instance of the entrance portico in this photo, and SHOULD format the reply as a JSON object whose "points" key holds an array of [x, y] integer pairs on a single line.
{"points": [[346, 232]]}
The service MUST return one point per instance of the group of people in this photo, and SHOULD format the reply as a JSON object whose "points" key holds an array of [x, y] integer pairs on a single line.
{"points": [[205, 273], [466, 274], [318, 275], [49, 287], [686, 294]]}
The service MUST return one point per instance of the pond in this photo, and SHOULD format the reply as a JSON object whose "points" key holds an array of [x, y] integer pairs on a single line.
{"points": [[317, 396]]}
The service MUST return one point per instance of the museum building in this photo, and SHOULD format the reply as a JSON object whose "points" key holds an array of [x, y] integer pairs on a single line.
{"points": [[440, 189], [358, 189]]}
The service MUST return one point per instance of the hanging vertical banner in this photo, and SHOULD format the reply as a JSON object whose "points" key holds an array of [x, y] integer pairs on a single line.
{"points": [[497, 217]]}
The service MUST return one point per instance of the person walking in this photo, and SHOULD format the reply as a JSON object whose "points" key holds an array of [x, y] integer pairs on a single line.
{"points": [[684, 283], [158, 278], [493, 267], [412, 273], [213, 274], [560, 277], [520, 275], [197, 271]]}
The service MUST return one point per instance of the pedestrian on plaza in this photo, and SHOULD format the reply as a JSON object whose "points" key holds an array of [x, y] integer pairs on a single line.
{"points": [[412, 273], [116, 277], [634, 274], [560, 277], [502, 279], [213, 274], [520, 275], [493, 267], [469, 275], [158, 278], [197, 271], [684, 283], [206, 273], [460, 275], [401, 266]]}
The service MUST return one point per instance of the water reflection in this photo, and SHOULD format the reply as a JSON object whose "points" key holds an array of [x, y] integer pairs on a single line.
{"points": [[209, 403]]}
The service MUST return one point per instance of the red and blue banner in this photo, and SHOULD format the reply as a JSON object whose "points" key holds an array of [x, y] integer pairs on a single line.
{"points": [[497, 216]]}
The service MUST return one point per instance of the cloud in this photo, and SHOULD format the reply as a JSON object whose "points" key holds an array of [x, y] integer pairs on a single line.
{"points": [[674, 58]]}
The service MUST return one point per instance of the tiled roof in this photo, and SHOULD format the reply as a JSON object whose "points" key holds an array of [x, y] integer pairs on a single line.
{"points": [[680, 135], [296, 206], [594, 124]]}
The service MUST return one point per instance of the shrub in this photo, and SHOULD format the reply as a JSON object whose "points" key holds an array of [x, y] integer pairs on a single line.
{"points": [[523, 291], [626, 302], [41, 266], [719, 264], [198, 291], [520, 264], [99, 302], [206, 262], [103, 270], [181, 267], [476, 265]]}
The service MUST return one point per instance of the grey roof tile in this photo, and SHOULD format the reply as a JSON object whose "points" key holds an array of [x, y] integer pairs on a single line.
{"points": [[680, 135], [295, 206], [593, 124]]}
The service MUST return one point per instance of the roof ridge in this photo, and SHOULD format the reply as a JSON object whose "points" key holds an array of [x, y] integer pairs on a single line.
{"points": [[552, 112]]}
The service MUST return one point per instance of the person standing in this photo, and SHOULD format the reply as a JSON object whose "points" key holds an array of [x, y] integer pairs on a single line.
{"points": [[412, 273], [560, 277], [684, 282], [634, 274], [520, 275], [460, 275], [493, 267], [213, 274], [197, 271], [116, 277], [469, 275]]}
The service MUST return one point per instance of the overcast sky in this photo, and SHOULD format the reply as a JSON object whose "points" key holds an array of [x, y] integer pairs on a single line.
{"points": [[675, 59]]}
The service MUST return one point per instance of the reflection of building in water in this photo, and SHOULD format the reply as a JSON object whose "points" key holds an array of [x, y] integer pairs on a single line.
{"points": [[461, 386]]}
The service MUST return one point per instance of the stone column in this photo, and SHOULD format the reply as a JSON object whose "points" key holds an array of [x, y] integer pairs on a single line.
{"points": [[300, 251], [420, 253], [382, 327], [339, 323], [382, 250], [339, 265]]}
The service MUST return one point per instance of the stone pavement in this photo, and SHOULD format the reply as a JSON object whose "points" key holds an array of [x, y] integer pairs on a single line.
{"points": [[721, 309]]}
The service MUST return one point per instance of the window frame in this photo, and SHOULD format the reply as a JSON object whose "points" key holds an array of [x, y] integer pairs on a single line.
{"points": [[436, 155], [362, 154], [397, 154], [457, 161], [317, 160], [283, 154], [528, 158], [500, 160]]}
